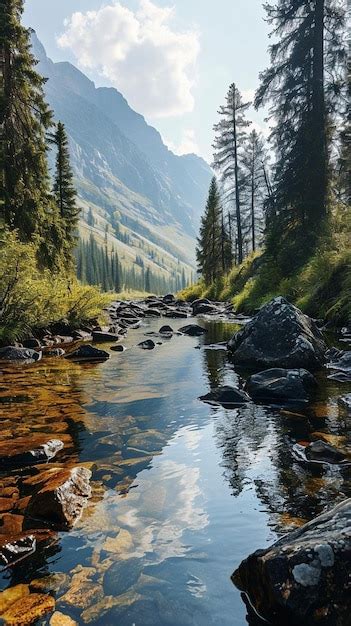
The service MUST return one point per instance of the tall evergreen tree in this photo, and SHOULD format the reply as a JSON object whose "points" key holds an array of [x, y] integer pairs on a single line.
{"points": [[302, 85], [24, 120], [254, 164], [209, 252], [230, 135], [64, 191]]}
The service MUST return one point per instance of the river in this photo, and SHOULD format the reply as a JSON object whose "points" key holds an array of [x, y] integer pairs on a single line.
{"points": [[182, 490]]}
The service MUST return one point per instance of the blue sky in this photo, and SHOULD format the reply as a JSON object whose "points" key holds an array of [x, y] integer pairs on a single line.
{"points": [[172, 60]]}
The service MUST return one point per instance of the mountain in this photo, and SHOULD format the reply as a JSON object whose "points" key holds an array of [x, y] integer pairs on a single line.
{"points": [[136, 195]]}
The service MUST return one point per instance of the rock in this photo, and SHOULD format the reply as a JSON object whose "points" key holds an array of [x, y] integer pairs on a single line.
{"points": [[153, 313], [226, 396], [203, 308], [341, 361], [118, 348], [121, 576], [193, 330], [321, 451], [121, 544], [44, 453], [87, 353], [14, 549], [83, 594], [32, 342], [279, 335], [104, 337], [82, 335], [28, 609], [281, 385], [341, 377], [174, 314], [169, 299], [52, 583], [304, 577], [11, 595], [59, 619], [148, 344], [345, 402], [166, 330], [54, 352], [11, 353], [62, 498]]}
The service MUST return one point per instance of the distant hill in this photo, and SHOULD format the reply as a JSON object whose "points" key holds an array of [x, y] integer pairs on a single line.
{"points": [[136, 195]]}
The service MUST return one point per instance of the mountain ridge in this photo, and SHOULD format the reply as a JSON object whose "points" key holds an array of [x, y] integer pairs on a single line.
{"points": [[122, 167]]}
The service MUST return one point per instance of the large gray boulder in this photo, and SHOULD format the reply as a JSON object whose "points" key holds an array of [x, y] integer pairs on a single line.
{"points": [[304, 577], [278, 385], [279, 335], [12, 353]]}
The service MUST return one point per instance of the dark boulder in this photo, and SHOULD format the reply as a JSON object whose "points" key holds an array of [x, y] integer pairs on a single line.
{"points": [[148, 344], [62, 498], [32, 342], [22, 458], [169, 299], [105, 337], [202, 308], [118, 348], [87, 353], [11, 353], [279, 335], [193, 330], [281, 385], [166, 330], [304, 577], [226, 396]]}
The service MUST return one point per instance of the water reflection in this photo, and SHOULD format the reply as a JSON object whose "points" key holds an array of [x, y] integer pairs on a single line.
{"points": [[182, 491]]}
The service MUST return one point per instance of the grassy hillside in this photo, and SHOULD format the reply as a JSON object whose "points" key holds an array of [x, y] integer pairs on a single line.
{"points": [[321, 287]]}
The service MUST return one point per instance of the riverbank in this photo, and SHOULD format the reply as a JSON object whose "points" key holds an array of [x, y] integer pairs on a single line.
{"points": [[183, 487], [321, 288]]}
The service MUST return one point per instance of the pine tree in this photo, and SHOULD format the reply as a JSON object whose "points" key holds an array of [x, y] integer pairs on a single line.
{"points": [[229, 140], [303, 86], [254, 162], [209, 249], [64, 192], [24, 120], [147, 284]]}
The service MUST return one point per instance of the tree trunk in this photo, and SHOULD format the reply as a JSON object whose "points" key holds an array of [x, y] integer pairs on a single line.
{"points": [[318, 139], [253, 197], [236, 173]]}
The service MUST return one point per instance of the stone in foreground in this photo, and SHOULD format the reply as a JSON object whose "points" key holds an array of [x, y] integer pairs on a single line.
{"points": [[226, 396], [62, 498], [279, 385], [148, 344], [304, 577], [87, 353], [42, 454], [15, 549], [279, 335]]}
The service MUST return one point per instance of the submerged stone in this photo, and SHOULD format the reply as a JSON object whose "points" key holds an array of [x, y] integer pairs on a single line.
{"points": [[121, 576], [27, 610], [226, 396], [44, 453]]}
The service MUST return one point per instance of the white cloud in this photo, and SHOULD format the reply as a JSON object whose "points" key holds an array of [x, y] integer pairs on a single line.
{"points": [[140, 52], [187, 144]]}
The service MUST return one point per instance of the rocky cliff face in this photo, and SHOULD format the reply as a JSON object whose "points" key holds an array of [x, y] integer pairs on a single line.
{"points": [[121, 164]]}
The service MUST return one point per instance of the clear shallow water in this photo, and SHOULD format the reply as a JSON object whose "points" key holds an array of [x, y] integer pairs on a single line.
{"points": [[182, 491]]}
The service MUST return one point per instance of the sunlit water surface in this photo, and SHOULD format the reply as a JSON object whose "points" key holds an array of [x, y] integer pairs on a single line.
{"points": [[182, 491]]}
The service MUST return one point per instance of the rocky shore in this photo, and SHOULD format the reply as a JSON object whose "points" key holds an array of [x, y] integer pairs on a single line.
{"points": [[279, 353]]}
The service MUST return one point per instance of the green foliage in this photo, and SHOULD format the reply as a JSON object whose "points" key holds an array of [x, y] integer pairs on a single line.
{"points": [[32, 298], [209, 251]]}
